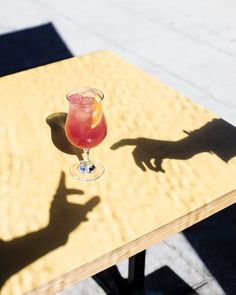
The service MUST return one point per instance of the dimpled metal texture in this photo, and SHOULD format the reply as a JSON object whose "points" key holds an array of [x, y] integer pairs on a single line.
{"points": [[159, 155]]}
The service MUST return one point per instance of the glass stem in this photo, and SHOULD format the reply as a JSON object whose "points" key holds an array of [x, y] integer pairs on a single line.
{"points": [[86, 155], [86, 166]]}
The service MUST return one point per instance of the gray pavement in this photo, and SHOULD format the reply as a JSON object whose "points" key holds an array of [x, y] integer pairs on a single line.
{"points": [[191, 46]]}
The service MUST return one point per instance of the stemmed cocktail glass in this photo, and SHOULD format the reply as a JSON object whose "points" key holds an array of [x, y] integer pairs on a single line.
{"points": [[86, 128]]}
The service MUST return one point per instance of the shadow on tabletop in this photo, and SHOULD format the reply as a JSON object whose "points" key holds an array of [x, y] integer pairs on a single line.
{"points": [[216, 136], [29, 48], [214, 240], [56, 122], [63, 219], [20, 51]]}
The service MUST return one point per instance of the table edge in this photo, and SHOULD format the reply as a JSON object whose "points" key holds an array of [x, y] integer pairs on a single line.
{"points": [[91, 268]]}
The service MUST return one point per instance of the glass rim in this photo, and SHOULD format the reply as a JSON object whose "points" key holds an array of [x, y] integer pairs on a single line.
{"points": [[98, 95]]}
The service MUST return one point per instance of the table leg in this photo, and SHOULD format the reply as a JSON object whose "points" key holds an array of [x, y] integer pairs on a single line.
{"points": [[136, 271], [111, 281]]}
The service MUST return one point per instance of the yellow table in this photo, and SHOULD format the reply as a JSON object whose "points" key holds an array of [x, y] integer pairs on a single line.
{"points": [[169, 164]]}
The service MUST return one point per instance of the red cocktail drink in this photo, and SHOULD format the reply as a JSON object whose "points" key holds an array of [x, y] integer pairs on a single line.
{"points": [[86, 128], [86, 124]]}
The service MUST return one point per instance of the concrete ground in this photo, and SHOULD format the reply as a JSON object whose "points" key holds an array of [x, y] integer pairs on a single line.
{"points": [[190, 45]]}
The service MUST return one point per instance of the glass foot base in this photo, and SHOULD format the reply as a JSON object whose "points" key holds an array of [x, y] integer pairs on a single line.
{"points": [[94, 171]]}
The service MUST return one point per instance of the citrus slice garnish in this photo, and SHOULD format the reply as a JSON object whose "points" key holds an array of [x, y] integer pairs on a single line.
{"points": [[97, 114]]}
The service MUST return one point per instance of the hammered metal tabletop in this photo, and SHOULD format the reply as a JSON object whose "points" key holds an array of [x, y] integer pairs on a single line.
{"points": [[169, 163]]}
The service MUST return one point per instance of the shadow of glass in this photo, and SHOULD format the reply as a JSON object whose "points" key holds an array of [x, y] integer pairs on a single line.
{"points": [[29, 48], [216, 136], [56, 121], [214, 240], [64, 218], [20, 51]]}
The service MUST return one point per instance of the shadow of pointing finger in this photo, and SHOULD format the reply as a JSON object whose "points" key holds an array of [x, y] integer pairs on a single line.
{"points": [[64, 217], [56, 122], [215, 137]]}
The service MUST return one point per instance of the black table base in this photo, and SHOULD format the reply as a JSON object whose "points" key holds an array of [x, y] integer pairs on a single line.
{"points": [[111, 281]]}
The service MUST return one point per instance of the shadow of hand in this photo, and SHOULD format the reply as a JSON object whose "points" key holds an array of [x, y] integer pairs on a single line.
{"points": [[64, 218], [64, 215], [145, 152], [216, 136]]}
